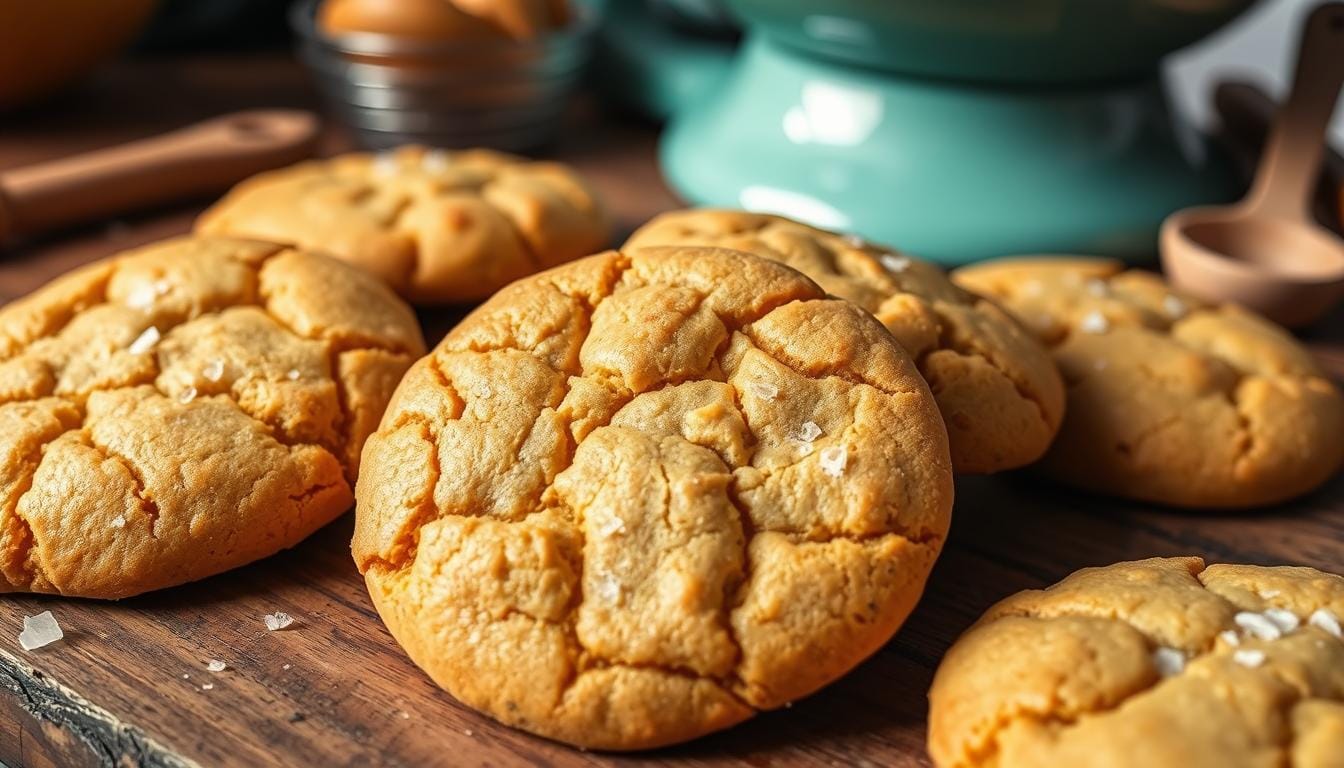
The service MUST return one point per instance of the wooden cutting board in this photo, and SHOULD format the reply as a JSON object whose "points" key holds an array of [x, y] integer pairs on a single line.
{"points": [[126, 685]]}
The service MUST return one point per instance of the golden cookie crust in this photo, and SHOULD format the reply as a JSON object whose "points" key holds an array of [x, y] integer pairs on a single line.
{"points": [[999, 393], [597, 510], [1159, 662], [186, 408], [1171, 400], [436, 226]]}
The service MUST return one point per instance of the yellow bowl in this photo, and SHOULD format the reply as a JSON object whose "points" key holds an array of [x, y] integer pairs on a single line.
{"points": [[45, 44]]}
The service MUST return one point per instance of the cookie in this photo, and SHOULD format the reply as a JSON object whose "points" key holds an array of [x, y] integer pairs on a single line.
{"points": [[639, 498], [996, 387], [1160, 662], [436, 226], [1171, 400], [186, 408]]}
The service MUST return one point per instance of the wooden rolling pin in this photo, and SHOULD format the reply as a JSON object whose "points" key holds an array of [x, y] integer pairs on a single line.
{"points": [[202, 159]]}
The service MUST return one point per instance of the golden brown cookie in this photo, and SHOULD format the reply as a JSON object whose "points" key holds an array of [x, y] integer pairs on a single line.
{"points": [[996, 387], [436, 226], [1149, 664], [1171, 400], [186, 408], [637, 498]]}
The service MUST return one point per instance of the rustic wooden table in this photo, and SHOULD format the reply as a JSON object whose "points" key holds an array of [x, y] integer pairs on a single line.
{"points": [[125, 686]]}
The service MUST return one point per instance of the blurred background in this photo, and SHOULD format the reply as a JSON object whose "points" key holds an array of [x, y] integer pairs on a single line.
{"points": [[957, 130]]}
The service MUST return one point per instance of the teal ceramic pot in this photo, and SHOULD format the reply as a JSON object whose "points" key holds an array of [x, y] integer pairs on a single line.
{"points": [[1046, 129], [1036, 41]]}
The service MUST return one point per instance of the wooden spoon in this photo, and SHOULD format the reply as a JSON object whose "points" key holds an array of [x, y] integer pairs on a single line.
{"points": [[205, 158], [1266, 252]]}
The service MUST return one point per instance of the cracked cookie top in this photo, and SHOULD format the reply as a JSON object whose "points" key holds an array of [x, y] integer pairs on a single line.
{"points": [[186, 408], [1171, 400], [998, 391], [639, 497], [436, 226], [1160, 662]]}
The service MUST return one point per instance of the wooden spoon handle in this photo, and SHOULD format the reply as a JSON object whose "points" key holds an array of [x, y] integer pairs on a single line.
{"points": [[204, 158], [1292, 160], [1247, 114]]}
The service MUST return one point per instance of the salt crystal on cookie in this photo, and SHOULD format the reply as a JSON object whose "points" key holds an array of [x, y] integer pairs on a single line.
{"points": [[1258, 625], [763, 390], [1249, 658], [895, 263], [214, 370], [145, 341], [1286, 621], [1325, 621], [834, 459], [808, 432], [215, 665]]}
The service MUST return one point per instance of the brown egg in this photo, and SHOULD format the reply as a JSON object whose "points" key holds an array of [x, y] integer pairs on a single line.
{"points": [[444, 20]]}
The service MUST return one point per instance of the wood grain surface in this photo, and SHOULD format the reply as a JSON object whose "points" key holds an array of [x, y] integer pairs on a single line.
{"points": [[125, 687]]}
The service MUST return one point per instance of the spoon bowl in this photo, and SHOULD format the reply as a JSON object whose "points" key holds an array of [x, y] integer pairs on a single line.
{"points": [[1287, 271]]}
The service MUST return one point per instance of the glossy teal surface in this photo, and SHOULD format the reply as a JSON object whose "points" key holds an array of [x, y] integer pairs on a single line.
{"points": [[951, 172], [1040, 41], [654, 68]]}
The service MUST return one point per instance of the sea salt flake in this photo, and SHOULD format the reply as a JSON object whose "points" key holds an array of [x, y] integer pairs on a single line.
{"points": [[1098, 287], [611, 527], [763, 390], [1168, 661], [1286, 621], [145, 341], [435, 161], [1269, 594], [808, 432], [806, 449], [1094, 322], [385, 164], [405, 715], [185, 676], [1325, 621], [40, 630], [208, 687], [213, 370], [277, 621], [119, 521], [482, 390], [834, 459], [854, 241], [609, 589], [1174, 308], [293, 374], [1249, 658], [467, 731], [287, 666], [215, 665], [142, 297], [895, 263], [186, 395], [1258, 625], [1230, 638]]}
